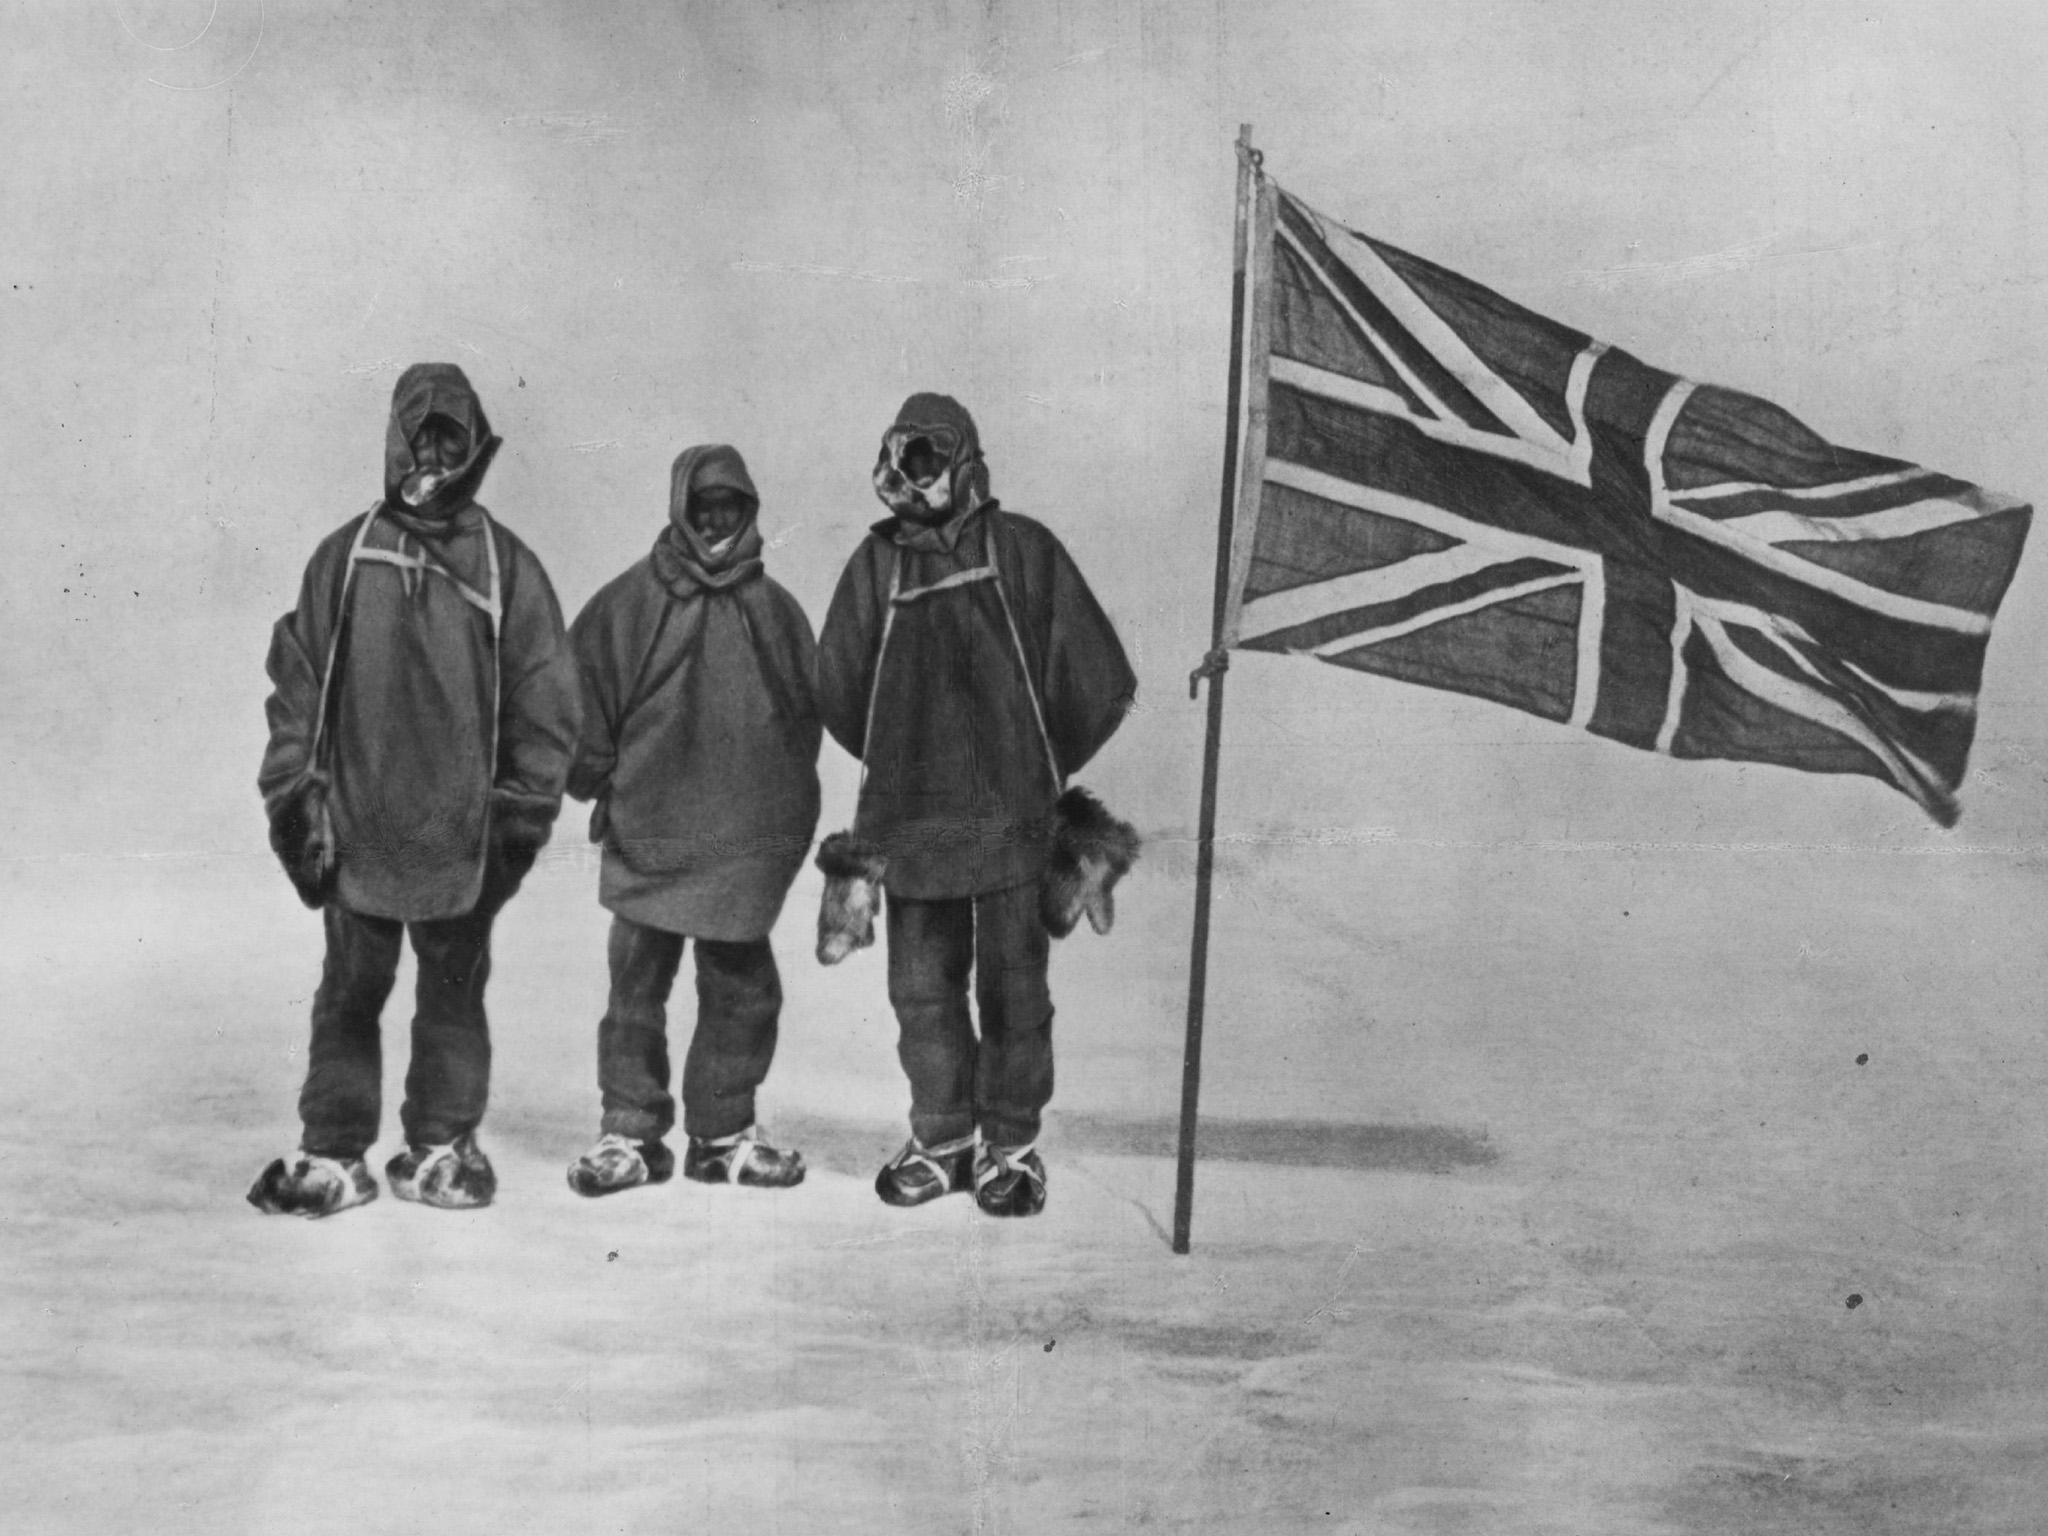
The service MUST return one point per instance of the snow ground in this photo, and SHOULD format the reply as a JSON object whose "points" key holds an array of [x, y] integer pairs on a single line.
{"points": [[1556, 1231]]}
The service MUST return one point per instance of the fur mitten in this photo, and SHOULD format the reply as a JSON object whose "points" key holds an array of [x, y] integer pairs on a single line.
{"points": [[302, 837], [520, 826], [1091, 851], [853, 895]]}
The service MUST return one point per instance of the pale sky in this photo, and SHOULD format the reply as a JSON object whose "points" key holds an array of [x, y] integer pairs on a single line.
{"points": [[644, 226]]}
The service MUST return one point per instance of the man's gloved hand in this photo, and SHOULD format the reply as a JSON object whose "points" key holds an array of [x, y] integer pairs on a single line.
{"points": [[520, 826], [302, 837]]}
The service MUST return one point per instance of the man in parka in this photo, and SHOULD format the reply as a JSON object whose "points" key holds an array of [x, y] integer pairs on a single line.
{"points": [[422, 719], [968, 666], [700, 748]]}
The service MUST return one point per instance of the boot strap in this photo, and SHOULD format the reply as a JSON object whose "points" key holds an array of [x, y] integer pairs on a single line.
{"points": [[915, 1151], [1002, 1160], [737, 1149]]}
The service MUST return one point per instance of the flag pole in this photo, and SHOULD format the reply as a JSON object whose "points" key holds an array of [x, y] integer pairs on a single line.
{"points": [[1213, 668]]}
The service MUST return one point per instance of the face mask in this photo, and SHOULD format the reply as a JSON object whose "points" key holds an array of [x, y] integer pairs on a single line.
{"points": [[438, 449], [719, 517], [914, 475], [419, 486]]}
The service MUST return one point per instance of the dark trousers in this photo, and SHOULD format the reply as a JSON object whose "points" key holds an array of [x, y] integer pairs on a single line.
{"points": [[739, 1006], [449, 1077], [1003, 1080]]}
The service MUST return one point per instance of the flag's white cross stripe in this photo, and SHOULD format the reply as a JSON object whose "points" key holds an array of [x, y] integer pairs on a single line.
{"points": [[1728, 536], [1756, 537], [1778, 526], [1674, 690], [1481, 546], [1710, 618], [1536, 443]]}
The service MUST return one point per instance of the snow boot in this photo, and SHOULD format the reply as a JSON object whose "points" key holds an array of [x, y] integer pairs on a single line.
{"points": [[453, 1176], [619, 1162], [742, 1158], [306, 1185], [1010, 1181], [920, 1173]]}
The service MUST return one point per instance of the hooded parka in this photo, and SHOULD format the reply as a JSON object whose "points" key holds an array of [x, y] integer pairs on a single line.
{"points": [[452, 709], [700, 730], [972, 671]]}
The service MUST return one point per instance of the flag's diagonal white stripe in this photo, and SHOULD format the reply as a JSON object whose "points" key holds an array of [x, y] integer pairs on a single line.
{"points": [[1367, 498], [1436, 616], [1779, 629], [1435, 333], [1907, 771], [1916, 698], [1910, 609], [1833, 488], [1483, 545], [1541, 448], [1363, 589], [1575, 466], [1341, 386], [1913, 610], [1782, 527], [1366, 329]]}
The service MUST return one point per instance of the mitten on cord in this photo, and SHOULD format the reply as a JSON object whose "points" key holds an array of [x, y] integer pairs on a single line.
{"points": [[853, 872], [1091, 851], [520, 826], [302, 837]]}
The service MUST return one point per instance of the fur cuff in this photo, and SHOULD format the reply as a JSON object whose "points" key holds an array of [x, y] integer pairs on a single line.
{"points": [[853, 872], [1091, 851]]}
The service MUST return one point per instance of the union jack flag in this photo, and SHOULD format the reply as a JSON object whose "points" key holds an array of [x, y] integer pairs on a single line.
{"points": [[1441, 486]]}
